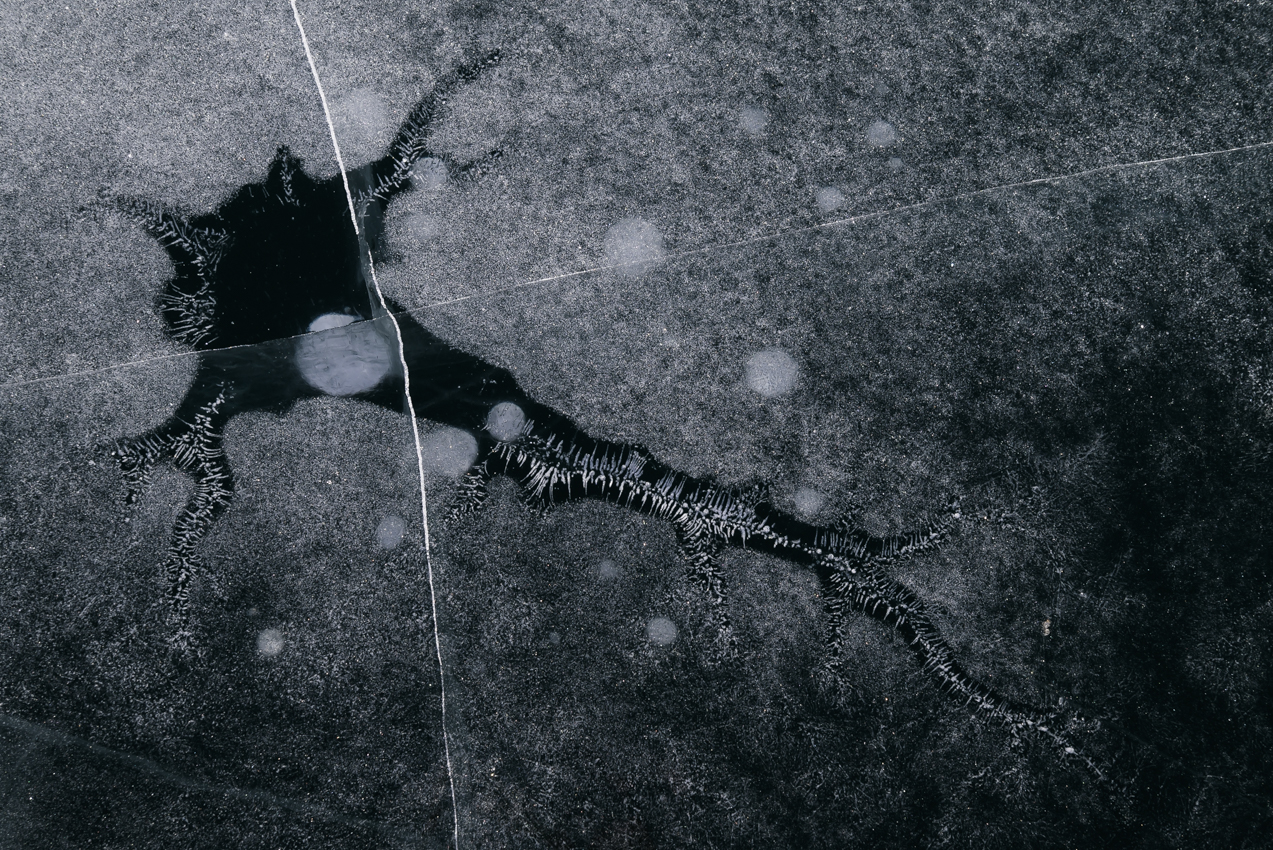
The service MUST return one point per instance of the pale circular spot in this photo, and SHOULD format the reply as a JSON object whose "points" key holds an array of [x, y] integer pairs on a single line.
{"points": [[771, 372], [505, 421], [829, 199], [343, 356], [390, 530], [361, 119], [554, 638], [895, 163], [753, 119], [327, 321], [269, 642], [633, 245], [809, 501], [448, 451], [422, 227], [881, 134], [661, 631], [608, 570], [429, 173]]}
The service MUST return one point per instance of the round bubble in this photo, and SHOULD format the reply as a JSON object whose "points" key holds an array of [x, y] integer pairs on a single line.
{"points": [[829, 199], [809, 501], [505, 421], [771, 372], [753, 119], [362, 119], [554, 638], [390, 530], [343, 356], [449, 451], [661, 631], [429, 173], [881, 134], [632, 245], [422, 227], [269, 642], [895, 163], [608, 570]]}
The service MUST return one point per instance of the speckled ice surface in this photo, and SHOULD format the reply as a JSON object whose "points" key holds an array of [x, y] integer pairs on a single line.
{"points": [[878, 255]]}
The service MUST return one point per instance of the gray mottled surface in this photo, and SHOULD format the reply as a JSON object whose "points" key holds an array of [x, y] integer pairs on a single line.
{"points": [[1085, 359]]}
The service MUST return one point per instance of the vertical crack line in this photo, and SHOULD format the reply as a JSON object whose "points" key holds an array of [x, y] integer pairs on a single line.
{"points": [[415, 425]]}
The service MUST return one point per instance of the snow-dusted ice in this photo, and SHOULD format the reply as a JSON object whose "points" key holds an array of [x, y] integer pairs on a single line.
{"points": [[429, 173], [448, 452], [269, 642], [808, 501], [753, 120]]}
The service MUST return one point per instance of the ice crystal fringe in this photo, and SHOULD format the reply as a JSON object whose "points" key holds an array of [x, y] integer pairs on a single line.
{"points": [[194, 448], [851, 563]]}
